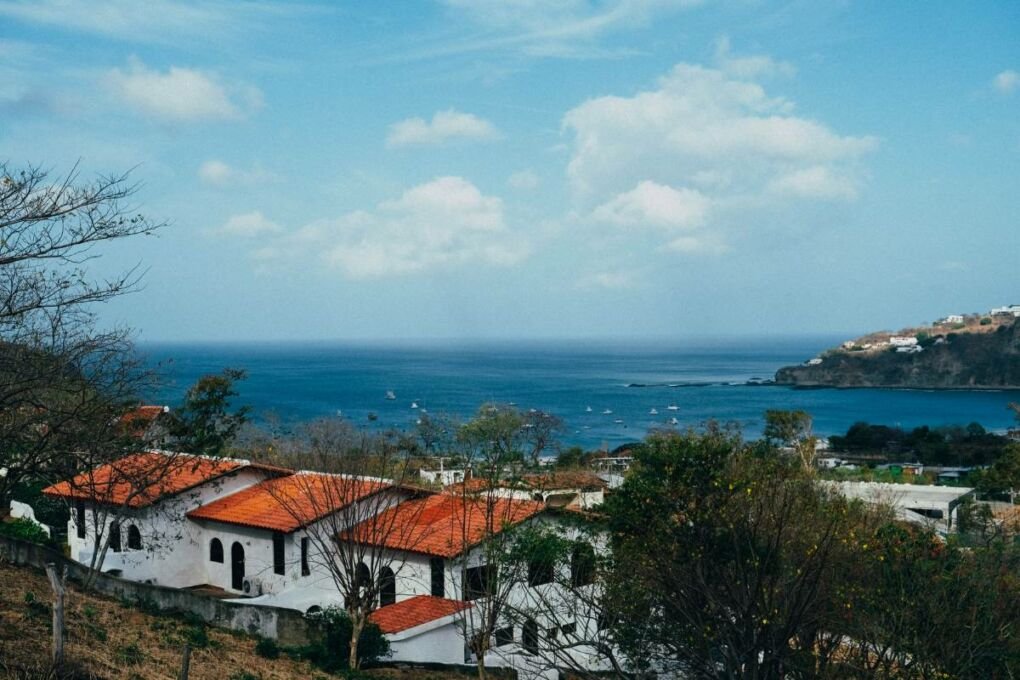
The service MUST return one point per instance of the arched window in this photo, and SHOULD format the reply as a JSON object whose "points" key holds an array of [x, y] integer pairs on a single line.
{"points": [[363, 577], [540, 570], [529, 636], [114, 537], [216, 551], [387, 587], [134, 538], [582, 565]]}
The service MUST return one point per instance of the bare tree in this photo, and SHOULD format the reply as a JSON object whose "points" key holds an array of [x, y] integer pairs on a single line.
{"points": [[343, 508], [57, 372]]}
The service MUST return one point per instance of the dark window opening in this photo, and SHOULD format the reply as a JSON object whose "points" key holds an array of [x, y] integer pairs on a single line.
{"points": [[552, 634], [134, 538], [568, 628], [278, 554], [115, 537], [479, 581], [540, 571], [438, 566], [582, 565], [529, 636], [387, 587], [305, 570], [216, 551], [362, 579], [504, 636], [79, 519]]}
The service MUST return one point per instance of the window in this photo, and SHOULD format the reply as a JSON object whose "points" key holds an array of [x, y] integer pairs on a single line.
{"points": [[438, 566], [216, 551], [582, 565], [305, 571], [568, 628], [540, 571], [134, 538], [79, 519], [479, 581], [504, 636], [387, 587], [529, 636], [115, 537], [363, 578], [552, 634], [278, 553]]}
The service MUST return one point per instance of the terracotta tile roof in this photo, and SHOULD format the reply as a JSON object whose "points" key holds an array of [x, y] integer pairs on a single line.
{"points": [[444, 525], [288, 503], [413, 612], [136, 421], [565, 479], [143, 478]]}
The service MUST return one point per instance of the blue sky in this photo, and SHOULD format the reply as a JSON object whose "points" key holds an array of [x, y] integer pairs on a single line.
{"points": [[519, 168]]}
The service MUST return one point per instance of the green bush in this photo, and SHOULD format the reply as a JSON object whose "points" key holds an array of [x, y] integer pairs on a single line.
{"points": [[130, 654], [25, 530], [332, 633], [197, 636], [986, 321], [267, 648]]}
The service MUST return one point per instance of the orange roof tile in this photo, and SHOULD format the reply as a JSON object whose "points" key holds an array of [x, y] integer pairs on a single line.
{"points": [[413, 612], [288, 503], [444, 525], [137, 420], [143, 478]]}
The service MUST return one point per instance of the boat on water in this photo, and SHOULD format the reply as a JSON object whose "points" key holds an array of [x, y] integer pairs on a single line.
{"points": [[373, 417], [587, 409], [673, 407], [618, 421], [607, 412], [674, 421], [414, 404], [390, 395], [654, 412]]}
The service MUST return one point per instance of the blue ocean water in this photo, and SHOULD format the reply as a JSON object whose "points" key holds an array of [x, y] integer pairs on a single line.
{"points": [[702, 379]]}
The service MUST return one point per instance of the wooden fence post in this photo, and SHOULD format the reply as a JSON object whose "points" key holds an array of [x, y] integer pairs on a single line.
{"points": [[185, 661], [57, 583]]}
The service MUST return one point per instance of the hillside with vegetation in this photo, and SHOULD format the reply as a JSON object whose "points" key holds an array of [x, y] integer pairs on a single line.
{"points": [[977, 353]]}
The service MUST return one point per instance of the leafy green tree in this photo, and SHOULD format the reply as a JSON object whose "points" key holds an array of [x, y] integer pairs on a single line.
{"points": [[791, 429], [205, 423], [1004, 475]]}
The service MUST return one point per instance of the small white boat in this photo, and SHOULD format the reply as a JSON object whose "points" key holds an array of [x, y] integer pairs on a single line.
{"points": [[674, 421], [423, 411], [618, 421], [414, 404], [654, 412], [673, 407], [390, 395], [607, 412], [587, 409]]}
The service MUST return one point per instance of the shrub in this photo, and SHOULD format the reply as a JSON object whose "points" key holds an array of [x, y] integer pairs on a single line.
{"points": [[130, 654], [986, 321], [196, 636], [267, 648], [25, 530], [332, 632]]}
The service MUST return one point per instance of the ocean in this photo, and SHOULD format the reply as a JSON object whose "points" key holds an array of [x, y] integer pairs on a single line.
{"points": [[703, 380]]}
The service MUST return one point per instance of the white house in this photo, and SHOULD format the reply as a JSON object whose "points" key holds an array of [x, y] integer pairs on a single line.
{"points": [[1008, 310], [934, 506], [903, 341], [952, 318]]}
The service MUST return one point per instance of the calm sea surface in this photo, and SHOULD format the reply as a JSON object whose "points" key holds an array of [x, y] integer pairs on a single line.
{"points": [[702, 379]]}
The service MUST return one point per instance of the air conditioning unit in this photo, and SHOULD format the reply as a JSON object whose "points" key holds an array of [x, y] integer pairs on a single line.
{"points": [[252, 587]]}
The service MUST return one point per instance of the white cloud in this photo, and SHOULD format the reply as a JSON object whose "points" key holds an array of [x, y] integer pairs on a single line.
{"points": [[249, 225], [751, 66], [217, 173], [444, 126], [1007, 81], [437, 225], [707, 149], [180, 94], [524, 180], [655, 205]]}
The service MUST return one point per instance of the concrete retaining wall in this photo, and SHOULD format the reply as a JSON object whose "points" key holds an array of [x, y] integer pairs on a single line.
{"points": [[285, 625]]}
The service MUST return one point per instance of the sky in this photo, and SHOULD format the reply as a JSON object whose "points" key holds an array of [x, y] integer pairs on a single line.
{"points": [[534, 169]]}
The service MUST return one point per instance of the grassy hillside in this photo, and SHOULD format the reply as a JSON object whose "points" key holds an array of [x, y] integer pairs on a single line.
{"points": [[109, 640], [962, 358]]}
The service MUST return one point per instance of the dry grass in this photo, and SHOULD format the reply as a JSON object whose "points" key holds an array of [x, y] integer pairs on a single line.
{"points": [[109, 640]]}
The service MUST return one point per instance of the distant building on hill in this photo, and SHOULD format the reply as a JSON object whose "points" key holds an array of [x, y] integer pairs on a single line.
{"points": [[1008, 310]]}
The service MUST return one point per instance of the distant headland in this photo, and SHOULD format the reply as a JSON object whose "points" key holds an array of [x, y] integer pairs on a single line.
{"points": [[960, 351]]}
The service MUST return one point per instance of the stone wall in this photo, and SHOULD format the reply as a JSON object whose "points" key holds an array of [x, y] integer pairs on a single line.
{"points": [[285, 625]]}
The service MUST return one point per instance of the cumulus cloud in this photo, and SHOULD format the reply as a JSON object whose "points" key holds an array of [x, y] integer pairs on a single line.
{"points": [[706, 150], [655, 205], [180, 95], [436, 225], [445, 126], [217, 173], [249, 225], [1006, 82]]}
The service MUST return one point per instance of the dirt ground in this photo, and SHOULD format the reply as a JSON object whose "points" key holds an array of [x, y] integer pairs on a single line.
{"points": [[112, 641]]}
